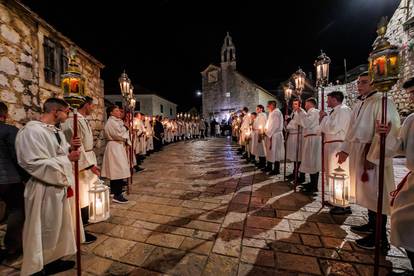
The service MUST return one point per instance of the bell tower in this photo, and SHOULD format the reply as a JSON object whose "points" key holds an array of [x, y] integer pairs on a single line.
{"points": [[228, 54]]}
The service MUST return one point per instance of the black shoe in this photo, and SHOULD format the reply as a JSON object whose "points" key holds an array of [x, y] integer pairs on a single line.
{"points": [[368, 243], [290, 177], [89, 238], [340, 210], [58, 266], [244, 156], [309, 188], [405, 273], [139, 169], [362, 229], [120, 199], [273, 172]]}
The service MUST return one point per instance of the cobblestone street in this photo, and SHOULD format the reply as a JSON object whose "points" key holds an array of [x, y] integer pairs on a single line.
{"points": [[199, 209]]}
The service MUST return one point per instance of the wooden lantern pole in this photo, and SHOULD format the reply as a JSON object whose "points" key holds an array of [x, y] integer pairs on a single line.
{"points": [[297, 148], [77, 213], [378, 226], [323, 150], [287, 134]]}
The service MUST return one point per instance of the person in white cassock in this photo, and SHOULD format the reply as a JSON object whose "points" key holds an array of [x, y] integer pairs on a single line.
{"points": [[244, 128], [150, 135], [42, 151], [334, 125], [311, 144], [293, 147], [274, 141], [140, 144], [257, 138], [360, 147], [402, 199], [115, 165], [88, 169]]}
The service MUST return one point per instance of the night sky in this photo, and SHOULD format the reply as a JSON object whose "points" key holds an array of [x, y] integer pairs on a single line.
{"points": [[163, 45]]}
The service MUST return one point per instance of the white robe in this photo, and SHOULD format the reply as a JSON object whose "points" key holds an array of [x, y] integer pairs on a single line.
{"points": [[274, 142], [402, 212], [87, 156], [292, 140], [311, 145], [139, 141], [335, 126], [361, 133], [150, 135], [258, 147], [115, 163], [244, 129], [48, 232]]}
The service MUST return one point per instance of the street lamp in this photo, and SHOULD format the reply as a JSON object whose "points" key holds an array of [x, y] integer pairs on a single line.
{"points": [[384, 70], [124, 83], [299, 78], [127, 91], [73, 86], [322, 69], [322, 75], [288, 90]]}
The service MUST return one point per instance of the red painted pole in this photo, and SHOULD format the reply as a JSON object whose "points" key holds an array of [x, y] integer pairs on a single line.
{"points": [[378, 228], [131, 151], [323, 150], [76, 164]]}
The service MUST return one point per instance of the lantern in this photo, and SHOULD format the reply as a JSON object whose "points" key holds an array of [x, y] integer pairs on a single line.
{"points": [[339, 187], [383, 60], [299, 77], [99, 202], [322, 68], [288, 89], [73, 84], [124, 83]]}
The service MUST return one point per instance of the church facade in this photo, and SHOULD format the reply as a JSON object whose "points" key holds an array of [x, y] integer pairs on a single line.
{"points": [[225, 90]]}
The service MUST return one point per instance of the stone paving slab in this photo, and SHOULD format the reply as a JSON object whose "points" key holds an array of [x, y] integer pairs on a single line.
{"points": [[199, 209]]}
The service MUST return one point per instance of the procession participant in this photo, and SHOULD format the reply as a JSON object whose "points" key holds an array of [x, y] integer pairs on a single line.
{"points": [[42, 150], [115, 165], [249, 134], [244, 128], [273, 143], [217, 127], [293, 148], [257, 139], [202, 128], [139, 140], [12, 177], [363, 170], [158, 133], [335, 125], [149, 134], [311, 145], [88, 169], [402, 203]]}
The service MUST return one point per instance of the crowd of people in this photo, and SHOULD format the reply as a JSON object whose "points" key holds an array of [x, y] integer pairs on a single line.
{"points": [[351, 144], [37, 177], [37, 174]]}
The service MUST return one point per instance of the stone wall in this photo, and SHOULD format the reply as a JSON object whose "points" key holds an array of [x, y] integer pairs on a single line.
{"points": [[405, 40], [22, 82]]}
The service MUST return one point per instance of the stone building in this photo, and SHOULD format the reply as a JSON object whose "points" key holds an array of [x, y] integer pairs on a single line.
{"points": [[225, 90], [148, 104], [400, 32], [33, 55]]}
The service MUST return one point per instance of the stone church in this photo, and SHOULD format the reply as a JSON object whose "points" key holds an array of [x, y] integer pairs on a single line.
{"points": [[225, 90]]}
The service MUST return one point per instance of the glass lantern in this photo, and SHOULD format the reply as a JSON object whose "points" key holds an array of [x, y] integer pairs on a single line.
{"points": [[288, 89], [322, 69], [383, 60], [339, 187], [73, 83], [124, 84], [299, 77], [98, 202]]}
